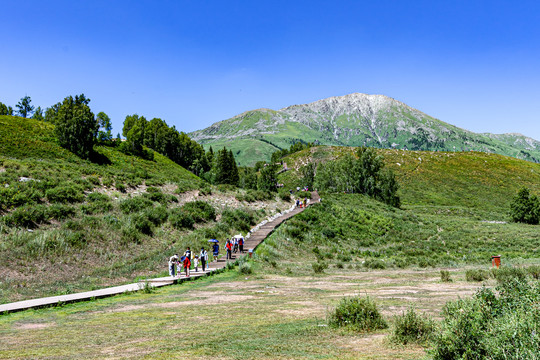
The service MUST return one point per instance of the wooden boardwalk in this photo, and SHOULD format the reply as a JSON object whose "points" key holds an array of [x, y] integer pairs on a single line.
{"points": [[258, 234]]}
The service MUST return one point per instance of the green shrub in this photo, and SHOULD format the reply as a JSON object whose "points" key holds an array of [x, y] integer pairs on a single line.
{"points": [[60, 212], [319, 267], [129, 234], [476, 275], [303, 194], [445, 276], [411, 327], [180, 219], [534, 271], [329, 233], [155, 194], [285, 195], [245, 269], [157, 215], [120, 187], [507, 273], [357, 313], [98, 207], [76, 239], [205, 190], [500, 324], [65, 194], [27, 216], [238, 219], [142, 224], [135, 204], [96, 196], [200, 211], [525, 208], [371, 263], [72, 225]]}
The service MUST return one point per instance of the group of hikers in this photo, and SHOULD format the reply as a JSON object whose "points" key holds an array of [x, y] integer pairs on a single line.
{"points": [[185, 262]]}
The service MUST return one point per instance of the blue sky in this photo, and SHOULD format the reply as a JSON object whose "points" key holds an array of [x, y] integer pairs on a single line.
{"points": [[474, 64]]}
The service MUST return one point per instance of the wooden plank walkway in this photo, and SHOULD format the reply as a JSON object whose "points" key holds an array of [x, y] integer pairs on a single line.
{"points": [[258, 234]]}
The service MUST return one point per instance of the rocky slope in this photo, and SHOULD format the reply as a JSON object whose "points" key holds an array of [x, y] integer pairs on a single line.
{"points": [[354, 120]]}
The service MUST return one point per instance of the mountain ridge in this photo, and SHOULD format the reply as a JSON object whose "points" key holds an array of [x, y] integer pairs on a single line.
{"points": [[357, 120]]}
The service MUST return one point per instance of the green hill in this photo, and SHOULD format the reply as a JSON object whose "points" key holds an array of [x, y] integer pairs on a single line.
{"points": [[470, 179], [69, 224], [354, 120]]}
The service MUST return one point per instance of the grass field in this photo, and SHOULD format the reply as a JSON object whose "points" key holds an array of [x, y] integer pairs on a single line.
{"points": [[230, 316]]}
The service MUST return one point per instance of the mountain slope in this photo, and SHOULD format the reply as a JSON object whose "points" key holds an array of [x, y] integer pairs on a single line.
{"points": [[355, 120], [427, 178]]}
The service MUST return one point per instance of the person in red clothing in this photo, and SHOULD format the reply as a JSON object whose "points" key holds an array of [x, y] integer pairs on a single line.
{"points": [[187, 264], [229, 246], [241, 244]]}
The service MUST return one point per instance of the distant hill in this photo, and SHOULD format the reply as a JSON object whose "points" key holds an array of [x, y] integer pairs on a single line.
{"points": [[354, 120], [469, 179]]}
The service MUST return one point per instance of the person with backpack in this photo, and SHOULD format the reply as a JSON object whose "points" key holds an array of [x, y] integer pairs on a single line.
{"points": [[188, 253], [235, 248], [204, 258], [187, 265], [215, 249]]}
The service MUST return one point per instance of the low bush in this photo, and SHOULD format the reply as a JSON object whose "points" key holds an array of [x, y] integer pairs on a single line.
{"points": [[494, 324], [285, 195], [302, 194], [411, 327], [157, 215], [534, 271], [507, 273], [357, 313], [96, 196], [142, 224], [238, 219], [371, 263], [245, 268], [319, 267], [120, 186], [180, 219], [129, 234], [27, 216], [61, 212], [65, 194], [205, 190], [135, 204], [476, 275], [98, 207], [445, 276], [200, 211]]}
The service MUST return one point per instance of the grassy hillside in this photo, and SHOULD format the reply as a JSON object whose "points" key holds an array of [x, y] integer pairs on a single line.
{"points": [[70, 224], [468, 179]]}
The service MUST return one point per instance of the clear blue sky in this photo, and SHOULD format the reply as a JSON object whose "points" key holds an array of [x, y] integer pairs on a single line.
{"points": [[474, 64]]}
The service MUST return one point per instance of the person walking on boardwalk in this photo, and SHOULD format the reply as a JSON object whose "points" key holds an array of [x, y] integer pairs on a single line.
{"points": [[173, 262], [187, 265], [215, 249], [204, 258], [196, 263], [241, 244], [229, 246], [188, 253], [235, 248]]}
